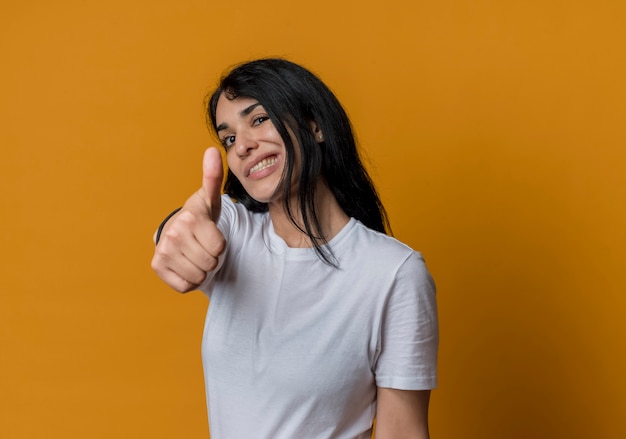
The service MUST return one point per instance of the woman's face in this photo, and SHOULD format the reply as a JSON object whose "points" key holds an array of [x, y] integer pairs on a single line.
{"points": [[255, 151]]}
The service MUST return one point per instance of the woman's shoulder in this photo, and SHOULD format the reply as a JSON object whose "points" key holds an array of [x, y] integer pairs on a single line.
{"points": [[382, 241], [387, 251]]}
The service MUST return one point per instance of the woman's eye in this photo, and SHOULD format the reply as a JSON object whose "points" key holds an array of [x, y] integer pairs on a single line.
{"points": [[259, 120], [228, 141]]}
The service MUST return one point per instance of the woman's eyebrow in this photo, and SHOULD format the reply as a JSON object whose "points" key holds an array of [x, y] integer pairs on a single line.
{"points": [[243, 113], [248, 110]]}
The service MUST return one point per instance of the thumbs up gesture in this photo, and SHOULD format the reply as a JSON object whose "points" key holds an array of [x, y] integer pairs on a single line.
{"points": [[190, 242]]}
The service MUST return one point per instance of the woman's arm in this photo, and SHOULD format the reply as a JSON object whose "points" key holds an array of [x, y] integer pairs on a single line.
{"points": [[402, 414]]}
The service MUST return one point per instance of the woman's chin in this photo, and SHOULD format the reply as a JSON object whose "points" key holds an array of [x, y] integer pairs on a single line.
{"points": [[265, 197], [268, 195]]}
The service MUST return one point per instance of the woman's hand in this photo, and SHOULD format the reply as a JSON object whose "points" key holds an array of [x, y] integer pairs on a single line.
{"points": [[190, 242]]}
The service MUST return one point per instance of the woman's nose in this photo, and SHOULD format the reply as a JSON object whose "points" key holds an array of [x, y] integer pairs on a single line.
{"points": [[245, 142]]}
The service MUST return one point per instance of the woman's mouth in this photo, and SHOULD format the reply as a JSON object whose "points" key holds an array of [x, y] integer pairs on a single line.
{"points": [[263, 164]]}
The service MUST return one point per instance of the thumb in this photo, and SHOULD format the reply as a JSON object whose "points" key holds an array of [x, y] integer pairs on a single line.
{"points": [[212, 176]]}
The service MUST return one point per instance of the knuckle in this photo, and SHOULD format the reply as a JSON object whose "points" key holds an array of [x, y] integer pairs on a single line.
{"points": [[173, 234], [158, 263], [186, 219], [219, 244], [197, 280], [181, 287], [154, 264], [178, 283], [211, 265]]}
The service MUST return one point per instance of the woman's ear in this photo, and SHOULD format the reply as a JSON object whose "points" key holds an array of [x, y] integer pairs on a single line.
{"points": [[317, 132]]}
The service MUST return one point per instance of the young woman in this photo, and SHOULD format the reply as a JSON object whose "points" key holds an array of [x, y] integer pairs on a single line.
{"points": [[318, 321]]}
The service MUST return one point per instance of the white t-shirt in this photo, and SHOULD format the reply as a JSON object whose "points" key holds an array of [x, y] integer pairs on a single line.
{"points": [[294, 348]]}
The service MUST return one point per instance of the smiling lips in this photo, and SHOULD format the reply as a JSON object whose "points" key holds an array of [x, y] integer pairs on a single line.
{"points": [[265, 163]]}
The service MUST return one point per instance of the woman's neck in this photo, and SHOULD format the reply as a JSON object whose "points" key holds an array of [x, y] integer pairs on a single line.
{"points": [[330, 215]]}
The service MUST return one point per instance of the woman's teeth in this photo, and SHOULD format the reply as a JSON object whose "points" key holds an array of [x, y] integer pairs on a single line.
{"points": [[263, 164]]}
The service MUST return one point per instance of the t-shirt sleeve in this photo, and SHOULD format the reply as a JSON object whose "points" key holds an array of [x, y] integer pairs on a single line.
{"points": [[409, 334]]}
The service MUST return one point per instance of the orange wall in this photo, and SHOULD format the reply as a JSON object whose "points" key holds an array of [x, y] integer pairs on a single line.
{"points": [[496, 132]]}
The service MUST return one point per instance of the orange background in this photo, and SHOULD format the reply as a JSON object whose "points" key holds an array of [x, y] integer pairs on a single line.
{"points": [[496, 133]]}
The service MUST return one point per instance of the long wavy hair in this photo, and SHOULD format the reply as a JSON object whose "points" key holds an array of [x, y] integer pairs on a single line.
{"points": [[293, 97]]}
